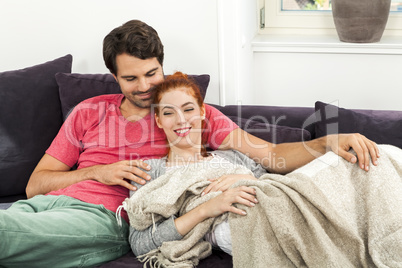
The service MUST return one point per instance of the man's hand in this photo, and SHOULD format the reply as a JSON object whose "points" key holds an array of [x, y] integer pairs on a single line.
{"points": [[51, 174], [118, 173], [224, 182], [364, 148]]}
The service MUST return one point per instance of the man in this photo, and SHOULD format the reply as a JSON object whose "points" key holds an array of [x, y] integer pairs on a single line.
{"points": [[70, 217]]}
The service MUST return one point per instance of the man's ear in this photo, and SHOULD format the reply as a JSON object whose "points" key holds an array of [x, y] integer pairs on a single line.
{"points": [[115, 78]]}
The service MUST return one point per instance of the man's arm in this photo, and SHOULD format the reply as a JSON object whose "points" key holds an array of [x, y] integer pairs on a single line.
{"points": [[51, 174], [286, 157]]}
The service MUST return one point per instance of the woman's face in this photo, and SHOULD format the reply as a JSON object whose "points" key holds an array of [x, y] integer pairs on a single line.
{"points": [[181, 117]]}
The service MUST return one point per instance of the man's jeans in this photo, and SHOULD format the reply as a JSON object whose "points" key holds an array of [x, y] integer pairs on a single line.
{"points": [[59, 231]]}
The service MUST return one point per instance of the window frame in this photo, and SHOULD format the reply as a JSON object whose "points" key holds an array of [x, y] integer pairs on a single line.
{"points": [[311, 21]]}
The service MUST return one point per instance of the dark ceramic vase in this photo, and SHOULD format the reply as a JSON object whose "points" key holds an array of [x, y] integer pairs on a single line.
{"points": [[360, 21]]}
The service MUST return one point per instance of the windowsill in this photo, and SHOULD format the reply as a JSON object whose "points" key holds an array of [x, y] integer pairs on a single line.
{"points": [[390, 45]]}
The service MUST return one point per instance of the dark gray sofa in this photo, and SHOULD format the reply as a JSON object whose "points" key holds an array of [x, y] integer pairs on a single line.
{"points": [[35, 101]]}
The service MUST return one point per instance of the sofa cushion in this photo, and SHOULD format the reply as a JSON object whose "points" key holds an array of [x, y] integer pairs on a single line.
{"points": [[272, 133], [5, 205], [75, 88], [30, 119], [383, 127]]}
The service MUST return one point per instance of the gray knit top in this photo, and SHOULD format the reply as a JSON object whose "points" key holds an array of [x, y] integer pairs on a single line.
{"points": [[144, 241]]}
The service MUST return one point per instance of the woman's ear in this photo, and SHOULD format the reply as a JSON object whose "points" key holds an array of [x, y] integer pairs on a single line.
{"points": [[203, 112], [158, 122]]}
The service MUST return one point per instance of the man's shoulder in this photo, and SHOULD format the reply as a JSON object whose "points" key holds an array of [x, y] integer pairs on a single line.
{"points": [[101, 102], [211, 111], [98, 104], [110, 98]]}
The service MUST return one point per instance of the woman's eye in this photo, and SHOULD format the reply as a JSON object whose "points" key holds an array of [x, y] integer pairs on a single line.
{"points": [[189, 109], [167, 113]]}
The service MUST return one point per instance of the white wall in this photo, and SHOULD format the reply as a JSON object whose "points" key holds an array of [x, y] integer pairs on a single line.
{"points": [[350, 80], [296, 67], [33, 32], [213, 37], [237, 24]]}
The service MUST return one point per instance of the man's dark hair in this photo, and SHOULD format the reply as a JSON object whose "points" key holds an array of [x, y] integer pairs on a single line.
{"points": [[135, 38]]}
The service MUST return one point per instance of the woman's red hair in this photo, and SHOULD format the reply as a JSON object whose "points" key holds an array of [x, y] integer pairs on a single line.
{"points": [[175, 81], [182, 81]]}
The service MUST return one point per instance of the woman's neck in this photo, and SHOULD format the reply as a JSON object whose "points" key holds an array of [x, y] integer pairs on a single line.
{"points": [[178, 156]]}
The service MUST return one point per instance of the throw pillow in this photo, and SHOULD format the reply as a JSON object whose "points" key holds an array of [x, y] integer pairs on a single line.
{"points": [[75, 88], [30, 118], [272, 133], [383, 127]]}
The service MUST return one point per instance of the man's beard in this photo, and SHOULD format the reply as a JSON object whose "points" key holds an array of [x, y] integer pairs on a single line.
{"points": [[142, 103]]}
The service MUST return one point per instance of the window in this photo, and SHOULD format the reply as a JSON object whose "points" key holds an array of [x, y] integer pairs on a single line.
{"points": [[323, 5], [396, 5], [292, 5], [310, 16]]}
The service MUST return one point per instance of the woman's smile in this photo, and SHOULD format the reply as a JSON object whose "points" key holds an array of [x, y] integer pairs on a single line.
{"points": [[182, 132]]}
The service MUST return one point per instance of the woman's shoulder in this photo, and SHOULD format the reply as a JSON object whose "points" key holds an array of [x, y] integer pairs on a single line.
{"points": [[229, 152], [239, 158], [231, 155], [158, 167], [158, 161]]}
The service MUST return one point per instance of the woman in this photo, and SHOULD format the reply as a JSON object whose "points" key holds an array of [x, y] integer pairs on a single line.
{"points": [[300, 221], [182, 121]]}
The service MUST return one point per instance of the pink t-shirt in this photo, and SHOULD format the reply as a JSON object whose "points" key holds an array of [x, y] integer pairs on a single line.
{"points": [[96, 133]]}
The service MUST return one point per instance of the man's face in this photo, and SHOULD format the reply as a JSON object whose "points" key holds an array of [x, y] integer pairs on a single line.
{"points": [[137, 78]]}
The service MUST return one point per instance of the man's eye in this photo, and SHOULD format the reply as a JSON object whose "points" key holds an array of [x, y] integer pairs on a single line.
{"points": [[130, 79], [151, 74]]}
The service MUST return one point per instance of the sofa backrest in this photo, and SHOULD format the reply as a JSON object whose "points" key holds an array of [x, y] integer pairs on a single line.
{"points": [[381, 126], [30, 118], [273, 123]]}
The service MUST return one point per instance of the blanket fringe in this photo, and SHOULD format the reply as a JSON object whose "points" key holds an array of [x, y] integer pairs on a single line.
{"points": [[152, 260], [153, 224], [118, 213], [129, 207]]}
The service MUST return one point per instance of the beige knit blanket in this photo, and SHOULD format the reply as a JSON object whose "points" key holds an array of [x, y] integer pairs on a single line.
{"points": [[175, 193], [329, 213]]}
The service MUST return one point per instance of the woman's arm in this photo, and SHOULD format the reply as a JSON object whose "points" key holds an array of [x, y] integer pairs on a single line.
{"points": [[175, 228], [144, 241], [217, 206], [226, 181]]}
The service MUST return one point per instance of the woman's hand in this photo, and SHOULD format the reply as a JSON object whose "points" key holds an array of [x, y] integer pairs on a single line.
{"points": [[216, 206], [364, 148], [224, 182], [223, 203]]}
